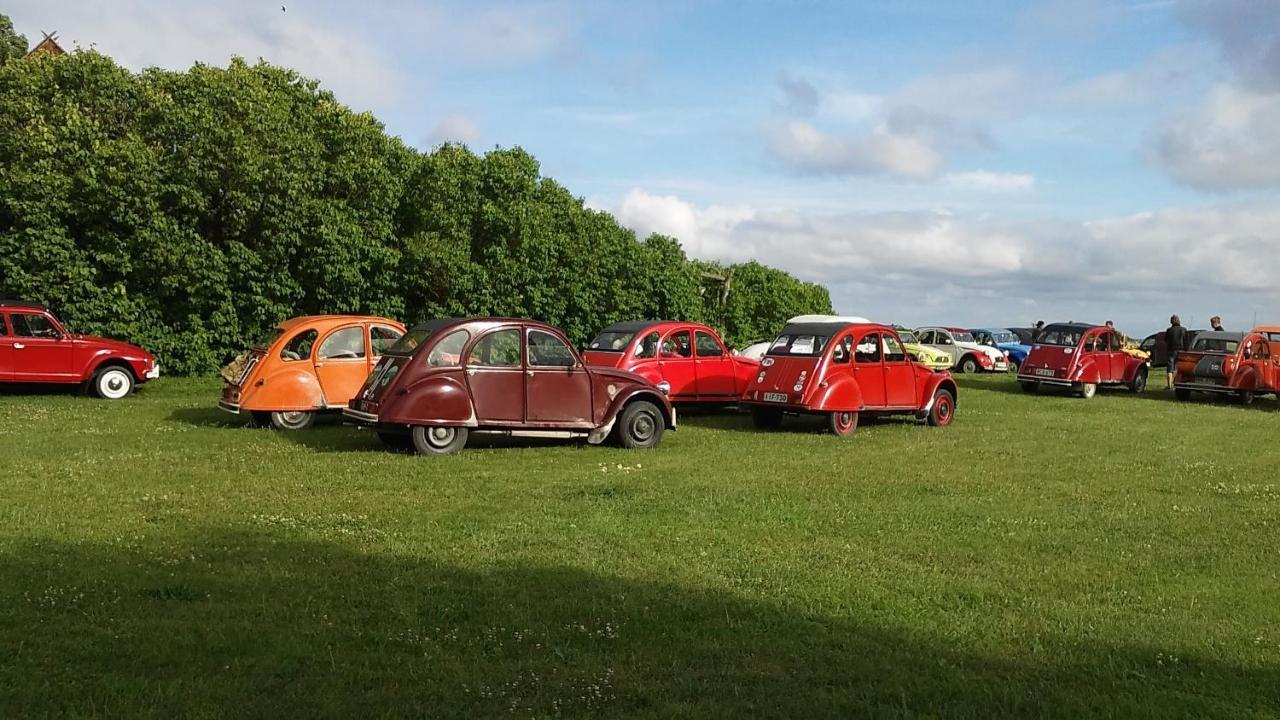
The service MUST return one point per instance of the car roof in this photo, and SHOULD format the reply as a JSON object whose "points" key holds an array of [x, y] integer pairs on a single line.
{"points": [[1073, 326], [848, 319], [826, 328], [325, 320], [1256, 328], [1220, 335], [992, 330], [22, 305], [635, 326]]}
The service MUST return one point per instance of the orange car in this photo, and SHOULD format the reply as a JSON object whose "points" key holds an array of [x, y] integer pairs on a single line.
{"points": [[306, 366]]}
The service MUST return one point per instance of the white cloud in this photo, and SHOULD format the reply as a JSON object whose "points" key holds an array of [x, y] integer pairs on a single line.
{"points": [[454, 128], [704, 232], [806, 149], [986, 181], [1230, 142]]}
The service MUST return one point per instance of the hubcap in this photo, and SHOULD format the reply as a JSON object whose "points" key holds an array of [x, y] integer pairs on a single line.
{"points": [[944, 409], [642, 427], [844, 420], [440, 436], [114, 384], [293, 418]]}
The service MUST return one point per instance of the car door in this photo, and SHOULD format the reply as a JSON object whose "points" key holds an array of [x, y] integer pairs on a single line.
{"points": [[713, 367], [868, 370], [341, 362], [40, 352], [676, 364], [1115, 357], [944, 342], [899, 373], [557, 386], [496, 377], [6, 351]]}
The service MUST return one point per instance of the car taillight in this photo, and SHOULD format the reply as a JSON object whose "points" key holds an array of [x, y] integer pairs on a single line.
{"points": [[760, 377]]}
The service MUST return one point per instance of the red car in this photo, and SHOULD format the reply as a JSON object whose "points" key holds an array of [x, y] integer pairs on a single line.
{"points": [[1082, 358], [840, 370], [686, 360], [448, 378], [36, 348], [1227, 363]]}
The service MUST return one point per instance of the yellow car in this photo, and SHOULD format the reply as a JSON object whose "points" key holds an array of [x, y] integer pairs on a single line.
{"points": [[926, 356]]}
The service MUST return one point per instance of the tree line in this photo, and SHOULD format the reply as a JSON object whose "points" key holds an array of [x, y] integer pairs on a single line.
{"points": [[188, 212]]}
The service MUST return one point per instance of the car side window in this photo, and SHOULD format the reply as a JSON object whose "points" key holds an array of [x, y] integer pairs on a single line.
{"points": [[647, 347], [345, 344], [925, 338], [868, 349], [893, 351], [677, 345], [33, 325], [3, 326], [448, 350], [1262, 351], [381, 338], [547, 350], [500, 348], [299, 348], [944, 338], [707, 345], [842, 351]]}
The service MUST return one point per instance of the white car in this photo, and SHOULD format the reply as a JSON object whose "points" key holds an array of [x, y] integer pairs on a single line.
{"points": [[754, 351], [828, 319], [967, 356]]}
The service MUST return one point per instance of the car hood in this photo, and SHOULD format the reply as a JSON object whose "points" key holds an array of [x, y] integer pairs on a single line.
{"points": [[926, 351], [597, 358], [1014, 347], [115, 346], [987, 350]]}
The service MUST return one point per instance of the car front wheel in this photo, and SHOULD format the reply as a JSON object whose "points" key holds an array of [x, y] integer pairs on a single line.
{"points": [[292, 419], [640, 427], [112, 383], [437, 440], [943, 410], [969, 365], [842, 424], [1139, 381]]}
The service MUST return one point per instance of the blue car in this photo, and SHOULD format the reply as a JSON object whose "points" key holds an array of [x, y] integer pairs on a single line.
{"points": [[1003, 339]]}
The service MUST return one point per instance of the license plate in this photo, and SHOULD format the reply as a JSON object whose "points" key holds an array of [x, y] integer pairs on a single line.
{"points": [[775, 397], [1044, 372]]}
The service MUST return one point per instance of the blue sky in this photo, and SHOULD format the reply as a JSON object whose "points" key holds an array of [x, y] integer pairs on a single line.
{"points": [[931, 162]]}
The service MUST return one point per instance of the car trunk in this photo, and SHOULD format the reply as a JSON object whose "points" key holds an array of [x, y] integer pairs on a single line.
{"points": [[1051, 362], [379, 381], [1207, 367], [599, 358], [781, 375]]}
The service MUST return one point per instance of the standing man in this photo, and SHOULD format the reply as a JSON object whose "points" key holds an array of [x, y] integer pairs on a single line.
{"points": [[1039, 328], [1175, 341], [1111, 325], [1215, 322]]}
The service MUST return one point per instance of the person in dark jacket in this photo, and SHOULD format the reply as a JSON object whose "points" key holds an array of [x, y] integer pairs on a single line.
{"points": [[1175, 341], [1215, 323]]}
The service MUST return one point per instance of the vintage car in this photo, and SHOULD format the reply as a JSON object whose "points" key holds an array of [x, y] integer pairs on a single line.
{"points": [[1157, 350], [306, 366], [967, 356], [36, 348], [1238, 364], [841, 370], [926, 356], [687, 361], [1270, 332], [449, 378], [1081, 357], [754, 350], [1004, 340]]}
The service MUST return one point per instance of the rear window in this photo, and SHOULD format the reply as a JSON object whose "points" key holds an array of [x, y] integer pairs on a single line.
{"points": [[1220, 345], [611, 341], [1060, 335], [1005, 337], [962, 337], [804, 345]]}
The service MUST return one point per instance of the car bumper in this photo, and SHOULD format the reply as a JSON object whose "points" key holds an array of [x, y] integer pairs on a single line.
{"points": [[153, 373], [232, 408], [1059, 382], [357, 417], [1212, 388]]}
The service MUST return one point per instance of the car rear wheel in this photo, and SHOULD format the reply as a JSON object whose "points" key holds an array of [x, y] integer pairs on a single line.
{"points": [[1139, 381], [943, 410], [112, 383], [437, 440], [766, 418], [1013, 366], [1029, 386], [842, 424], [640, 427], [1088, 390], [292, 419], [395, 441], [969, 365]]}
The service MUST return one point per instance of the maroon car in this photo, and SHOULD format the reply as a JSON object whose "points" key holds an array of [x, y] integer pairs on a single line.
{"points": [[446, 379], [36, 348]]}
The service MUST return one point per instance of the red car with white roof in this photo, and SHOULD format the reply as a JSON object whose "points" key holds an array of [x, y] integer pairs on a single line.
{"points": [[841, 370], [687, 360]]}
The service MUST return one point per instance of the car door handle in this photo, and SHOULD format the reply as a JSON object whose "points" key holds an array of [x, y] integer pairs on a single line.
{"points": [[18, 346], [529, 373], [470, 371], [319, 364]]}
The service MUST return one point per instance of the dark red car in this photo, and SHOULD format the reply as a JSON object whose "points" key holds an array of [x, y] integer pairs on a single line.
{"points": [[448, 378], [1237, 364], [1081, 358], [841, 370], [36, 348], [686, 360]]}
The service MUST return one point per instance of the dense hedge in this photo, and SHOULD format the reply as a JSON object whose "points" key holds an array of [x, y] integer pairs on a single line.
{"points": [[190, 211]]}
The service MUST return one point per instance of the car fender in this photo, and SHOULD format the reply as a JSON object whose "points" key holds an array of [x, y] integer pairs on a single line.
{"points": [[286, 389], [1086, 372], [1245, 378], [1134, 367], [431, 400], [620, 401], [840, 394], [938, 382], [98, 358]]}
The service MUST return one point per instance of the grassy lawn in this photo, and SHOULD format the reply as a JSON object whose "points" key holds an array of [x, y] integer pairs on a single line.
{"points": [[1044, 556]]}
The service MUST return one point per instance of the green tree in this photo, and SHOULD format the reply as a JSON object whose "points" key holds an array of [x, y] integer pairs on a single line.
{"points": [[12, 45]]}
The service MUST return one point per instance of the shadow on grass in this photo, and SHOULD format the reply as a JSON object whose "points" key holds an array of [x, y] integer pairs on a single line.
{"points": [[275, 625], [35, 389]]}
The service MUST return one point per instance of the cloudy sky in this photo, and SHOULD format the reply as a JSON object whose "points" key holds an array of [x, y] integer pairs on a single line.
{"points": [[930, 162]]}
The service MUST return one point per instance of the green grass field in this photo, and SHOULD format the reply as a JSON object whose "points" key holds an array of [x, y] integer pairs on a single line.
{"points": [[1044, 556]]}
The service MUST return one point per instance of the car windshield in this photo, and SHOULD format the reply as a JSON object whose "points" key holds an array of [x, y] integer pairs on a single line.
{"points": [[804, 344], [1216, 345], [1005, 337], [908, 337], [962, 337], [608, 341], [1063, 335]]}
